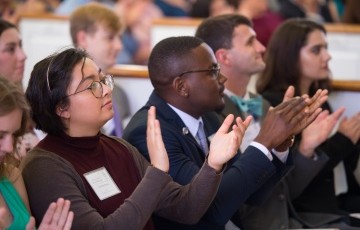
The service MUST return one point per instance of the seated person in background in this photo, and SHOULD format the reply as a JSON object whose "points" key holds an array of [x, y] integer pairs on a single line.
{"points": [[351, 12], [188, 86], [11, 10], [14, 205], [315, 10], [301, 47], [175, 8], [264, 20], [138, 17], [12, 64], [97, 29], [239, 54], [109, 183]]}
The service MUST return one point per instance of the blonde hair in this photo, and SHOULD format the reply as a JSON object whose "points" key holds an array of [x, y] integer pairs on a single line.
{"points": [[11, 98], [87, 17]]}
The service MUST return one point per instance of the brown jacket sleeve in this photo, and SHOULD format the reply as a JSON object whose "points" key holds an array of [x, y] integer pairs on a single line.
{"points": [[184, 204], [48, 177]]}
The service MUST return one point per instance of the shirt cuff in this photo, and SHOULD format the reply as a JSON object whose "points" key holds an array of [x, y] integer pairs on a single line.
{"points": [[263, 149], [281, 155]]}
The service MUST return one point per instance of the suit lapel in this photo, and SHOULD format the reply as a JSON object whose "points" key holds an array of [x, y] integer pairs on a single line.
{"points": [[167, 113], [231, 108]]}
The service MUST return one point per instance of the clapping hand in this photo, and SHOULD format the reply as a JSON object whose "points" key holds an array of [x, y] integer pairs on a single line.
{"points": [[157, 152], [350, 127], [318, 131], [57, 217], [225, 144], [289, 118]]}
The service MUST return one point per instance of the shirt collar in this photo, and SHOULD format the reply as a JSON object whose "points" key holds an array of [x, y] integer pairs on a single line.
{"points": [[230, 93], [190, 122]]}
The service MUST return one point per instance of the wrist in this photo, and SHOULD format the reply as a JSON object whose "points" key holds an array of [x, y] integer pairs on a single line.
{"points": [[217, 167], [307, 152], [165, 171]]}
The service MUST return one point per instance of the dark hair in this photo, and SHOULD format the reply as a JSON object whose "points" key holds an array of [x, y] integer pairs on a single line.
{"points": [[4, 25], [218, 31], [282, 57], [351, 12], [167, 58], [11, 98], [48, 85]]}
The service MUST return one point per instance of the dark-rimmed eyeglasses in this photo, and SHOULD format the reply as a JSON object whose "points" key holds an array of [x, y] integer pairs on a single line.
{"points": [[96, 86], [214, 71]]}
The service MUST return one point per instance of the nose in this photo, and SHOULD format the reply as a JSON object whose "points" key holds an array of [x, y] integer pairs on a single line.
{"points": [[7, 144], [106, 90], [260, 47], [21, 54], [327, 55], [118, 45]]}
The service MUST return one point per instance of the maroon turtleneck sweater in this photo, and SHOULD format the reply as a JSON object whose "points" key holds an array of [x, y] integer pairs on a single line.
{"points": [[90, 153]]}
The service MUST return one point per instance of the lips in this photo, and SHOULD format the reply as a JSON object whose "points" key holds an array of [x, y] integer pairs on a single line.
{"points": [[108, 104], [221, 91]]}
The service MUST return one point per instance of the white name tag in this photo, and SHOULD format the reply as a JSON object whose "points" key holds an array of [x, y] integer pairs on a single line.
{"points": [[102, 183]]}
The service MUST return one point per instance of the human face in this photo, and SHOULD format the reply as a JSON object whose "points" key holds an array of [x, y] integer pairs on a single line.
{"points": [[12, 56], [314, 57], [9, 126], [86, 114], [103, 46], [205, 89], [246, 53]]}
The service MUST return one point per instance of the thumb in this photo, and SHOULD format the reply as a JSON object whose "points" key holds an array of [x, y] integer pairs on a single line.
{"points": [[290, 92]]}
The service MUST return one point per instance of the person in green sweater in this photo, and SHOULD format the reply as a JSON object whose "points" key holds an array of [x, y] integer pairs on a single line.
{"points": [[14, 204]]}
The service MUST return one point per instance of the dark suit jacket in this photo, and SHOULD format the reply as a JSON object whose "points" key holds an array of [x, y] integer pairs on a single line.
{"points": [[264, 216], [320, 195], [247, 178]]}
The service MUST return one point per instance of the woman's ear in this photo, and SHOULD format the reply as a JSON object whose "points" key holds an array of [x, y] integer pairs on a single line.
{"points": [[180, 86], [62, 111]]}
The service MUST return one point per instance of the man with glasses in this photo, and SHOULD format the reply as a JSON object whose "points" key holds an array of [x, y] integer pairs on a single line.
{"points": [[188, 87]]}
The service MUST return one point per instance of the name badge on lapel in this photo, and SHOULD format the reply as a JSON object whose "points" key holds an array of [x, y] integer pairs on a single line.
{"points": [[102, 183]]}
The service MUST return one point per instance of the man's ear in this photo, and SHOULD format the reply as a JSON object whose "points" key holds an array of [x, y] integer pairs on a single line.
{"points": [[62, 111], [81, 38], [180, 86], [222, 56]]}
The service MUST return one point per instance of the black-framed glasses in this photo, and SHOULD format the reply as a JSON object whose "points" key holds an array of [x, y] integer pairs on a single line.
{"points": [[96, 86], [214, 71]]}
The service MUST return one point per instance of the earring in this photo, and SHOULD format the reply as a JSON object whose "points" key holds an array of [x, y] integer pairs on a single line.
{"points": [[186, 94]]}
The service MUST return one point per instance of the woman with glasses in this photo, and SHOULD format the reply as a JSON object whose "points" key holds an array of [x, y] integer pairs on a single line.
{"points": [[110, 185], [14, 205]]}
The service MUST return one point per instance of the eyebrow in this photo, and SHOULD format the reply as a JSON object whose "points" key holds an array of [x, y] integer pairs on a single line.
{"points": [[250, 39], [92, 76]]}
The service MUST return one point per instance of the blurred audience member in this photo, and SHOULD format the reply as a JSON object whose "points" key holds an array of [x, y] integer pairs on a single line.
{"points": [[14, 205], [97, 29], [316, 10], [11, 10], [12, 64]]}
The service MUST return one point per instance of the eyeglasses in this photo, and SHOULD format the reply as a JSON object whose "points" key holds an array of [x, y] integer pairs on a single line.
{"points": [[214, 71], [96, 86]]}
